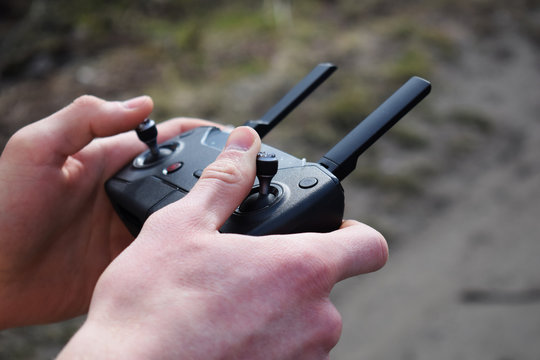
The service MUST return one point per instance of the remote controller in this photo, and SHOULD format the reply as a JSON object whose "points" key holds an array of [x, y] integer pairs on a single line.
{"points": [[289, 195]]}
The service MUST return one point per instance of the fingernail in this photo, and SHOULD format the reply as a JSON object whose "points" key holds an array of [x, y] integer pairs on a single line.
{"points": [[135, 102], [241, 138]]}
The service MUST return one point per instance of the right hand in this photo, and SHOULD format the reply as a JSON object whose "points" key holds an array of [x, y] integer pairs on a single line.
{"points": [[182, 290]]}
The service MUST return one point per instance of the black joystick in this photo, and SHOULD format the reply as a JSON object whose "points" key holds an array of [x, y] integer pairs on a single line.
{"points": [[267, 167], [147, 133]]}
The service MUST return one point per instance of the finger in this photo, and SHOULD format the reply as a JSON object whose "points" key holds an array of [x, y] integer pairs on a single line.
{"points": [[178, 125], [352, 250], [70, 129], [224, 183], [347, 223], [358, 249]]}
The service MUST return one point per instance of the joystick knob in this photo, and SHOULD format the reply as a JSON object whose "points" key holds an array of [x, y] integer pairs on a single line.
{"points": [[267, 166], [147, 133]]}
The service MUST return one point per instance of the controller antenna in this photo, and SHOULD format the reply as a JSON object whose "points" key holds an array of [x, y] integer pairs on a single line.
{"points": [[147, 133], [292, 99], [341, 159]]}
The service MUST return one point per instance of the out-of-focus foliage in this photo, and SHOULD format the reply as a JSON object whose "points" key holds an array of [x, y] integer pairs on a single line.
{"points": [[39, 35]]}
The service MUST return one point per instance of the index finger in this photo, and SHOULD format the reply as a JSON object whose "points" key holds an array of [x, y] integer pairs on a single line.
{"points": [[364, 249], [353, 249], [51, 140]]}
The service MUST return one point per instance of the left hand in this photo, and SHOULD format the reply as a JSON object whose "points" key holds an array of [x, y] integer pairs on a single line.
{"points": [[58, 231]]}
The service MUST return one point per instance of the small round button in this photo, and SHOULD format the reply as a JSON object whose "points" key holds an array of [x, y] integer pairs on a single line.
{"points": [[172, 168], [308, 182]]}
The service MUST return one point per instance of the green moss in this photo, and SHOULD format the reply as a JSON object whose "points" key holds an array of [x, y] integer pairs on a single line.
{"points": [[412, 62], [348, 107], [241, 18], [410, 36]]}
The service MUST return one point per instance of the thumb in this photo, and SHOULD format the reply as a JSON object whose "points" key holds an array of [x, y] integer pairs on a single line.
{"points": [[224, 183]]}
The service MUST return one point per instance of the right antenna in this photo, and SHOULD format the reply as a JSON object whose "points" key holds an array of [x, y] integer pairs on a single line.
{"points": [[341, 159]]}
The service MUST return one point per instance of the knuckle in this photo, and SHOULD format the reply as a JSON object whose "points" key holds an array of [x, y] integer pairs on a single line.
{"points": [[225, 171], [20, 137], [86, 101], [24, 142], [331, 326], [324, 327], [312, 272], [172, 220]]}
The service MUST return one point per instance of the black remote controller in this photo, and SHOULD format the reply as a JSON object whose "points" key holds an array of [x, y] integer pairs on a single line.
{"points": [[289, 195]]}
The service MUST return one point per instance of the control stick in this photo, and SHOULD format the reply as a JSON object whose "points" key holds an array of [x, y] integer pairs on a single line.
{"points": [[267, 167], [147, 133]]}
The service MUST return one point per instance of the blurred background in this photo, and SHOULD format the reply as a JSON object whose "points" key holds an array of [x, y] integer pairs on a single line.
{"points": [[454, 187]]}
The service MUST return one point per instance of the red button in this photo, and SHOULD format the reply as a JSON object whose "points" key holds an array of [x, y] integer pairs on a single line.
{"points": [[172, 168]]}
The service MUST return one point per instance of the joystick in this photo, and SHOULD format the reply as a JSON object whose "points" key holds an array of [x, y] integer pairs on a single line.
{"points": [[289, 195], [147, 133], [265, 194]]}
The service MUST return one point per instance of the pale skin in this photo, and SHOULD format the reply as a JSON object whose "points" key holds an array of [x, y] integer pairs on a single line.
{"points": [[181, 289]]}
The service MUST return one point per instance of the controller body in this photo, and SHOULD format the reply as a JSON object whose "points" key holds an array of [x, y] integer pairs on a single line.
{"points": [[307, 196], [295, 196]]}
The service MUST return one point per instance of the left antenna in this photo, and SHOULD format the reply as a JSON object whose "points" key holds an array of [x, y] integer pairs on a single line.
{"points": [[292, 99]]}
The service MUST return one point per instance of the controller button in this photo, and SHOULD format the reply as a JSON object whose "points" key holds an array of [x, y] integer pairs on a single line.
{"points": [[308, 182], [198, 173], [172, 168]]}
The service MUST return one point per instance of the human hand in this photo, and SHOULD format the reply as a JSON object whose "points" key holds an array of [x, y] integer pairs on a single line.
{"points": [[182, 290], [58, 230]]}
